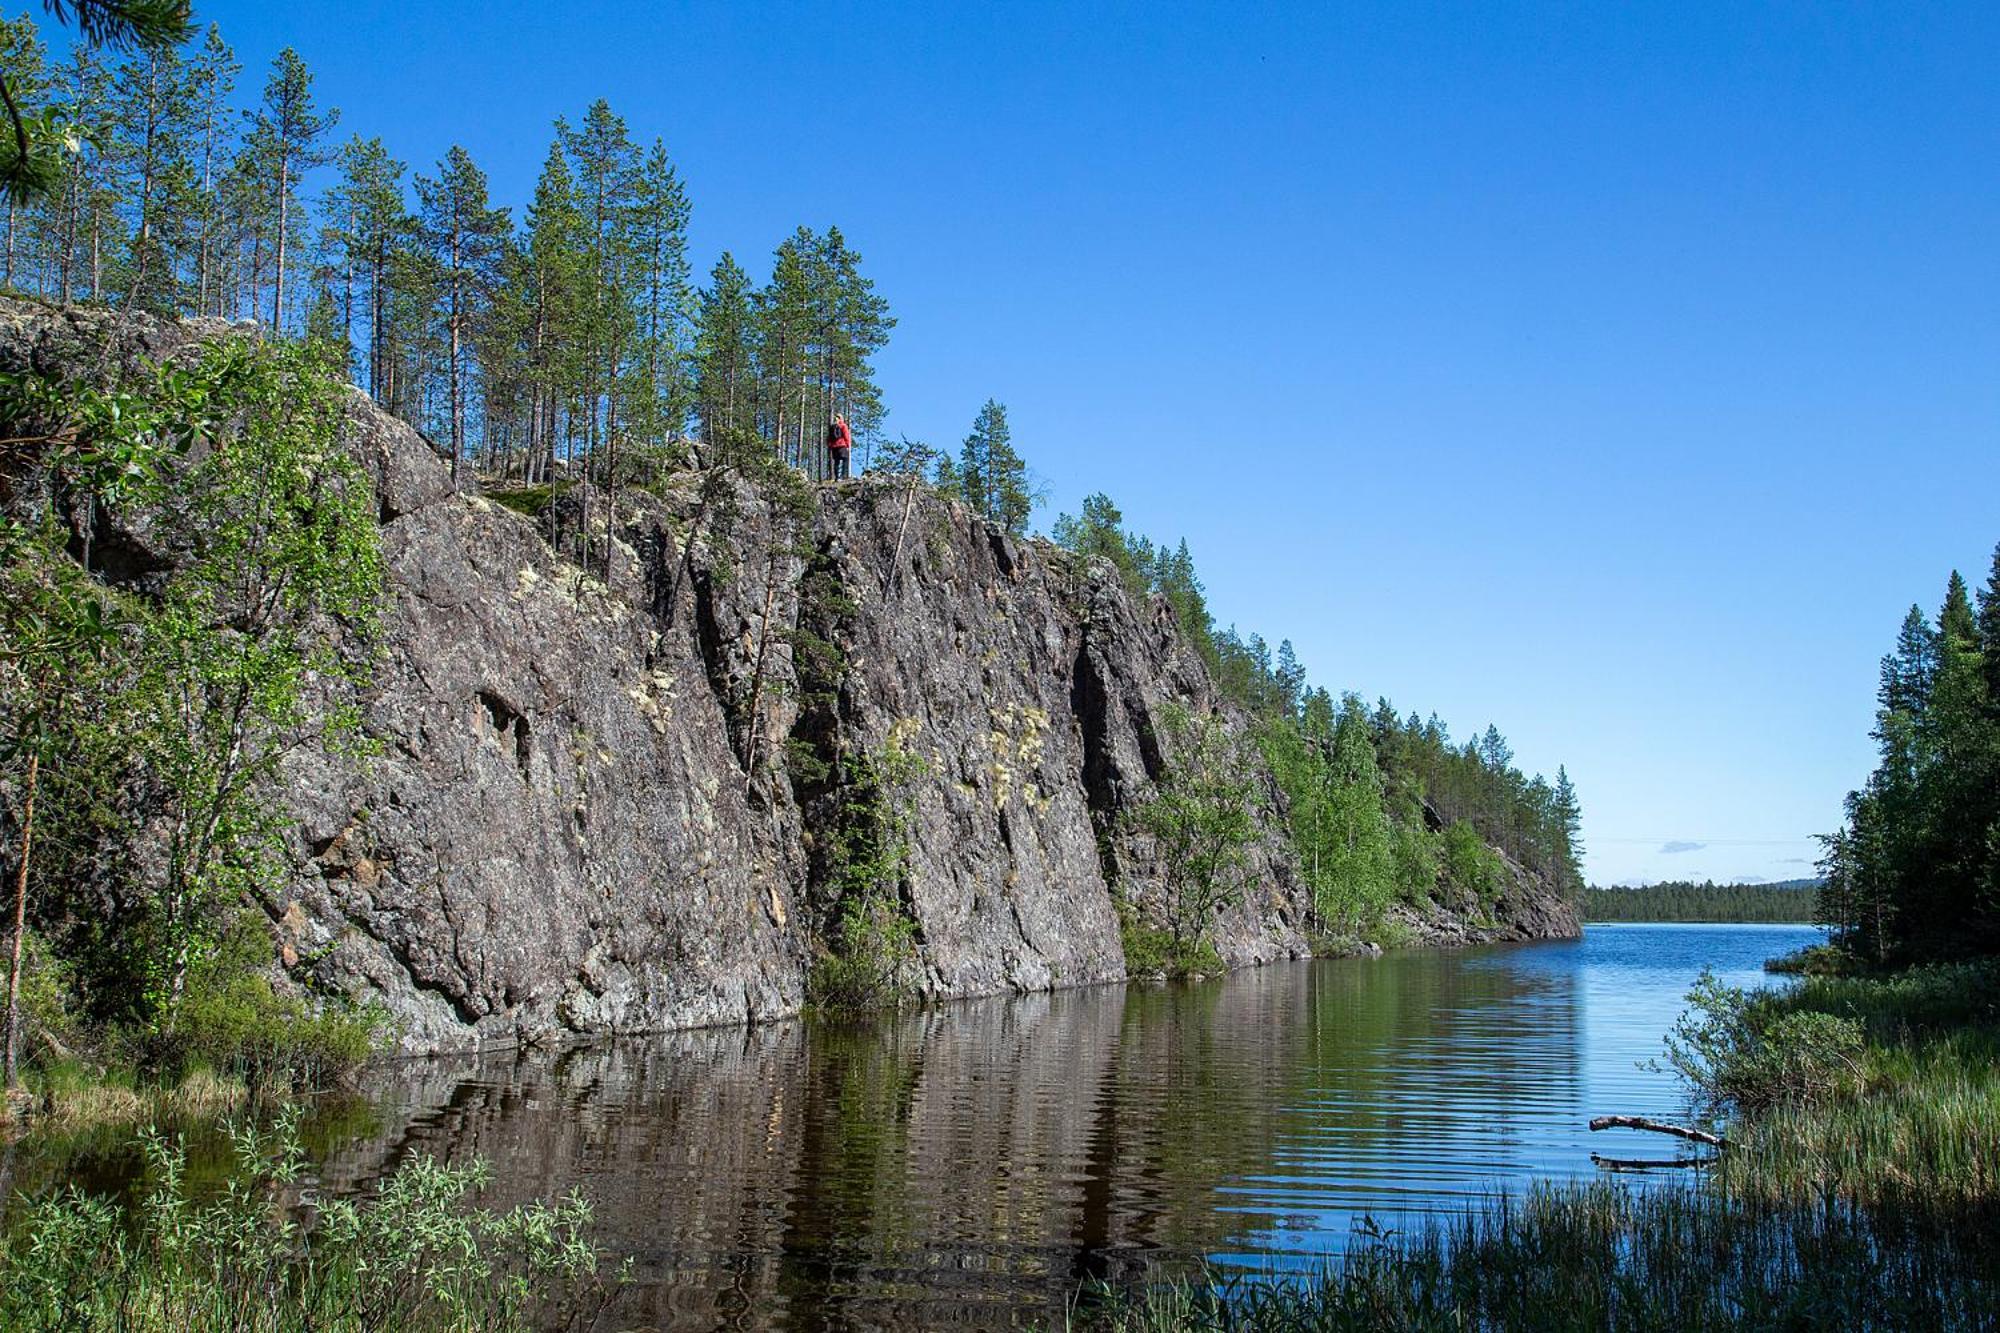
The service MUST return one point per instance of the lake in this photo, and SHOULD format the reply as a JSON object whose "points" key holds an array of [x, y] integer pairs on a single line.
{"points": [[971, 1165]]}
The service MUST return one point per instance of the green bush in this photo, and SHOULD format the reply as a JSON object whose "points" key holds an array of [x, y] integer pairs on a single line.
{"points": [[1470, 865], [869, 945], [416, 1257], [1753, 1052], [1940, 998], [46, 1011], [528, 501], [231, 1020], [877, 941], [1152, 952], [1815, 960]]}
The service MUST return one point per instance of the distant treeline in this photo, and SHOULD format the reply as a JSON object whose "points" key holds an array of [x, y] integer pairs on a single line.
{"points": [[1684, 900]]}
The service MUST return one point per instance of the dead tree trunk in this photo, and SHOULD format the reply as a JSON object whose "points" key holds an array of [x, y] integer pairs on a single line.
{"points": [[1659, 1127]]}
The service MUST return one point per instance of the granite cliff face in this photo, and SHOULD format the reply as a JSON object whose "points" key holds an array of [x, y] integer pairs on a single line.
{"points": [[598, 804]]}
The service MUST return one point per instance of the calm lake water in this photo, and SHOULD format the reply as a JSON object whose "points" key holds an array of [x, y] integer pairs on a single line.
{"points": [[970, 1166]]}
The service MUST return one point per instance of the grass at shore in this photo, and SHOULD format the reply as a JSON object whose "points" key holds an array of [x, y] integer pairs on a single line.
{"points": [[1602, 1256], [1922, 1129], [419, 1256], [1876, 1205], [71, 1098]]}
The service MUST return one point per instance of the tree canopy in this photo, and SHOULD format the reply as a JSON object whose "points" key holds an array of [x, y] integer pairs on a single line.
{"points": [[1914, 871]]}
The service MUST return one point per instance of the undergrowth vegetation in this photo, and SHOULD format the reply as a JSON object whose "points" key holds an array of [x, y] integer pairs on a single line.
{"points": [[869, 939], [1601, 1256], [1860, 1189], [265, 1255], [143, 717]]}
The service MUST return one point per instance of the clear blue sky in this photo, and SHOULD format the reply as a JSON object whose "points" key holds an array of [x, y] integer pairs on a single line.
{"points": [[1615, 373]]}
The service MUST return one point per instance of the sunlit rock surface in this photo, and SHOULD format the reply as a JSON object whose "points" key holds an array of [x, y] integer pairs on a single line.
{"points": [[595, 805]]}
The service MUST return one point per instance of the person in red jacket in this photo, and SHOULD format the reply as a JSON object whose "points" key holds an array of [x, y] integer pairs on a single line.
{"points": [[839, 446]]}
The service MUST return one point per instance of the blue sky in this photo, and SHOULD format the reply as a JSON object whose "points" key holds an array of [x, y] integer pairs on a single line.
{"points": [[1618, 374]]}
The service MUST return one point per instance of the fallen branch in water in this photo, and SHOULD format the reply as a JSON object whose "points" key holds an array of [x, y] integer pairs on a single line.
{"points": [[1659, 1127], [1646, 1163]]}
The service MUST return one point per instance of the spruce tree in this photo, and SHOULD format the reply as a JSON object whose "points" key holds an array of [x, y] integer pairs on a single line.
{"points": [[1989, 629], [1569, 821], [852, 324], [1906, 673], [994, 478], [783, 325]]}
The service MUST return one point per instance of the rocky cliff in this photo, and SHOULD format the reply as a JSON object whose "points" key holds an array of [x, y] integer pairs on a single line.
{"points": [[600, 799]]}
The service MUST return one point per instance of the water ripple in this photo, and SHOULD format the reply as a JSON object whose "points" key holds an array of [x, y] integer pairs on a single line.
{"points": [[970, 1165]]}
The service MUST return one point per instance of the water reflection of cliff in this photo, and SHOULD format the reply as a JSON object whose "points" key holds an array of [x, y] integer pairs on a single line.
{"points": [[971, 1165]]}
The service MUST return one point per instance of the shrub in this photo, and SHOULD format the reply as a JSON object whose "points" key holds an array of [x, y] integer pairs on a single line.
{"points": [[1815, 960], [416, 1257], [1752, 1052], [1152, 952], [230, 1019], [1470, 865], [870, 942], [528, 501], [1200, 823], [876, 941]]}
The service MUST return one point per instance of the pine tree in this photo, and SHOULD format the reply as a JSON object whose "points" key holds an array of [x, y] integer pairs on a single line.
{"points": [[465, 238], [22, 65], [211, 84], [722, 352], [155, 111], [373, 226], [287, 135], [606, 166], [244, 266], [556, 270], [659, 241], [74, 214], [31, 155]]}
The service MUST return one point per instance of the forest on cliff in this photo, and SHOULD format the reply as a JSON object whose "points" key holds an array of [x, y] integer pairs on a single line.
{"points": [[562, 360]]}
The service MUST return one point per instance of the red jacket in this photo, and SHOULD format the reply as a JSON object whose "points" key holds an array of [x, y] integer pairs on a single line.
{"points": [[839, 437]]}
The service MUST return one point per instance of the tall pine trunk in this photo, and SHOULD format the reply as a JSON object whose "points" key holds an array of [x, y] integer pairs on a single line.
{"points": [[453, 370], [12, 1067], [284, 225]]}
